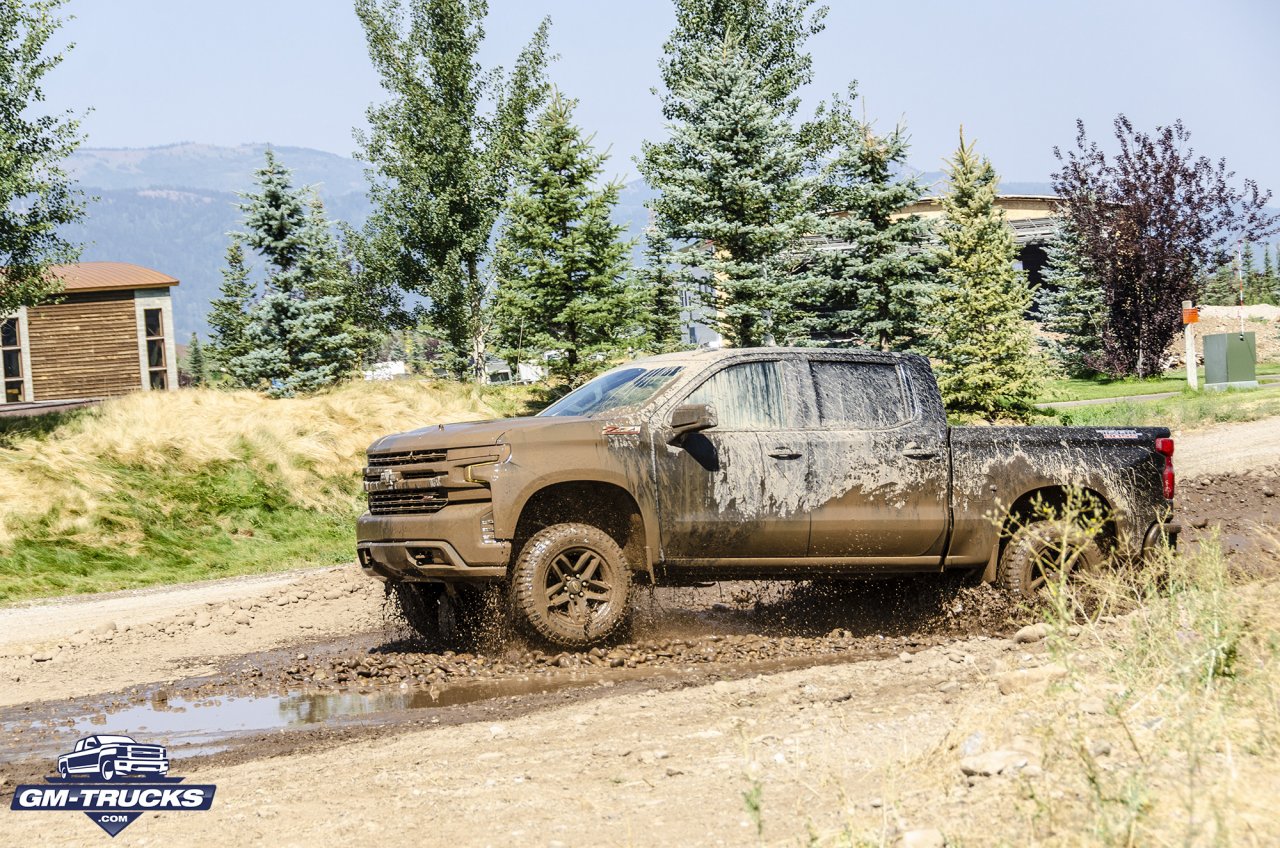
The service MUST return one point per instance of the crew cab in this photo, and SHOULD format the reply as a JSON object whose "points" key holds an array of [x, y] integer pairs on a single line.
{"points": [[766, 463], [109, 757]]}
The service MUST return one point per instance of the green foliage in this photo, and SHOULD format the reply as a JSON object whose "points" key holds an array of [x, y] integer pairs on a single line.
{"points": [[1073, 305], [295, 337], [660, 285], [562, 270], [37, 197], [296, 344], [440, 168], [871, 292], [983, 348], [197, 367], [770, 33], [228, 314], [731, 177]]}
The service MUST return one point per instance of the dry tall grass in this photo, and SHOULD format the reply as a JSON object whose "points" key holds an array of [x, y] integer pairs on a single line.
{"points": [[310, 447]]}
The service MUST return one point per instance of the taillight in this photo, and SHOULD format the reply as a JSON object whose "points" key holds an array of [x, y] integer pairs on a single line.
{"points": [[1164, 447]]}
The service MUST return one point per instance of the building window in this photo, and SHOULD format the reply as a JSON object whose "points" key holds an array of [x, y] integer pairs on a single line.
{"points": [[153, 320], [11, 351]]}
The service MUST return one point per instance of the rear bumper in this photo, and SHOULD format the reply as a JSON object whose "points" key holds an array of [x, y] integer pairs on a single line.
{"points": [[447, 545]]}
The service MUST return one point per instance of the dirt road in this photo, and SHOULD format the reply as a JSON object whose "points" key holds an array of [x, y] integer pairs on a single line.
{"points": [[739, 714]]}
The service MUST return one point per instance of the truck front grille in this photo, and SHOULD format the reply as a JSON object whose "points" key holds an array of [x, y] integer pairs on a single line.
{"points": [[388, 460], [406, 502]]}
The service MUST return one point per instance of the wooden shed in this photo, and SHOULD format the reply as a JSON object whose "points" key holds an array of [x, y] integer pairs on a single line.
{"points": [[109, 332]]}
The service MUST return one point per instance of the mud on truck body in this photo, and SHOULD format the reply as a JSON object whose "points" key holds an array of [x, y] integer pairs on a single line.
{"points": [[771, 463]]}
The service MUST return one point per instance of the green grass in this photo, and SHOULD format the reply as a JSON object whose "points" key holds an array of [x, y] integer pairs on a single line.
{"points": [[219, 522], [1187, 409], [199, 484], [1096, 388]]}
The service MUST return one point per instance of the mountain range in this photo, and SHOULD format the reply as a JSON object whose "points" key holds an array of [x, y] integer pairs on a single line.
{"points": [[170, 208]]}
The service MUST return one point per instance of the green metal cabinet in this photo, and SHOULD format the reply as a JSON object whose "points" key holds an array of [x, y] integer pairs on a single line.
{"points": [[1230, 361]]}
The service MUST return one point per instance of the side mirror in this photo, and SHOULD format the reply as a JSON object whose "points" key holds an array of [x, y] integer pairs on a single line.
{"points": [[691, 418]]}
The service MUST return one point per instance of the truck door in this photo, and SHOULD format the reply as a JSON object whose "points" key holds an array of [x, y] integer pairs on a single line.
{"points": [[721, 492], [879, 466]]}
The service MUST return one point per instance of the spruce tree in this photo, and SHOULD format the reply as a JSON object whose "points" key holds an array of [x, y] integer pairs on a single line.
{"points": [[562, 268], [871, 269], [1072, 306], [294, 337], [296, 343], [229, 314], [197, 367], [731, 180], [441, 152], [984, 352], [661, 285]]}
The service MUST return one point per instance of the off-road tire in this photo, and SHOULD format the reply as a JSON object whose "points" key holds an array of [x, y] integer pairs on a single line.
{"points": [[1032, 555], [439, 617], [583, 610]]}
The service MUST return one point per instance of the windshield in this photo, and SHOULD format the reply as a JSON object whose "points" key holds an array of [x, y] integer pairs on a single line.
{"points": [[114, 740], [625, 387]]}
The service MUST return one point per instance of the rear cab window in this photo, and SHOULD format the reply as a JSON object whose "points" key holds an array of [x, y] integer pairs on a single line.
{"points": [[860, 395]]}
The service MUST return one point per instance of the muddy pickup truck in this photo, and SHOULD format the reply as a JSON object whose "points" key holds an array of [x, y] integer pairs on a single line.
{"points": [[769, 463]]}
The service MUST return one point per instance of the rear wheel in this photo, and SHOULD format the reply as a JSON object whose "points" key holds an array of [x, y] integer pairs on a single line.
{"points": [[571, 584], [1041, 551], [445, 616]]}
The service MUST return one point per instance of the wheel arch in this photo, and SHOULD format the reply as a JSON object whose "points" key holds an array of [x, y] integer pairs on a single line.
{"points": [[1056, 496], [603, 504]]}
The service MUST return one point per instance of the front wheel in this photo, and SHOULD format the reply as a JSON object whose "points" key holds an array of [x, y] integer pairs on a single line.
{"points": [[108, 770], [570, 585], [1045, 550]]}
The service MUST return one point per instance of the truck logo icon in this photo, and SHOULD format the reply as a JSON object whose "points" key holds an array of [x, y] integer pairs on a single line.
{"points": [[109, 757], [113, 780]]}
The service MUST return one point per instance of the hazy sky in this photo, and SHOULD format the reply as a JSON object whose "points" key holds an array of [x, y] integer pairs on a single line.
{"points": [[1016, 74]]}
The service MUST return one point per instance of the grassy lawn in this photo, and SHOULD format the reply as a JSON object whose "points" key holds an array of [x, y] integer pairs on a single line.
{"points": [[1187, 409], [1067, 389], [197, 484]]}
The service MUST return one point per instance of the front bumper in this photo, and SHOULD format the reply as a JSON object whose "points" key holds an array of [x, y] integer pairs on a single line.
{"points": [[447, 545], [142, 766]]}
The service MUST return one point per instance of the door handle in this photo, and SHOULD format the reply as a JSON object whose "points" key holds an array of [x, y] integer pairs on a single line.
{"points": [[784, 452], [914, 451]]}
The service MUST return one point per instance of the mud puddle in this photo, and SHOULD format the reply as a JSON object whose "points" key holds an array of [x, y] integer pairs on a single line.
{"points": [[193, 726]]}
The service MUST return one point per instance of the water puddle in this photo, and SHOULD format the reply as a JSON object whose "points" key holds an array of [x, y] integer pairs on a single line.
{"points": [[205, 726]]}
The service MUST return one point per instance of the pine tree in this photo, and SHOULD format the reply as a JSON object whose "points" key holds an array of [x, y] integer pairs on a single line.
{"points": [[197, 367], [661, 285], [984, 351], [228, 315], [294, 338], [731, 180], [871, 288], [562, 269], [38, 199], [296, 344], [1072, 305], [276, 216], [440, 166]]}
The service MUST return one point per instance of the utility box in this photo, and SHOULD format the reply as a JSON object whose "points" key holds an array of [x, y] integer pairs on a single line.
{"points": [[1230, 361]]}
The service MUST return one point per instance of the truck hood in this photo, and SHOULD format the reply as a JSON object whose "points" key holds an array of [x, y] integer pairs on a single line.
{"points": [[469, 434]]}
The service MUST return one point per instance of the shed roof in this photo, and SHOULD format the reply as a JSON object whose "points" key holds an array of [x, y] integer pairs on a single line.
{"points": [[110, 276]]}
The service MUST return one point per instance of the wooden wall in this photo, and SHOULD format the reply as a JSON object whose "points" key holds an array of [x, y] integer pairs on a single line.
{"points": [[86, 346]]}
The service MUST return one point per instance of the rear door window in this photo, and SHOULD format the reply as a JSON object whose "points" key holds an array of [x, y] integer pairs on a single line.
{"points": [[859, 395], [746, 397]]}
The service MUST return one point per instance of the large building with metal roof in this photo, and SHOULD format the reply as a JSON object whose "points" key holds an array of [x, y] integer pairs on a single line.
{"points": [[109, 332]]}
